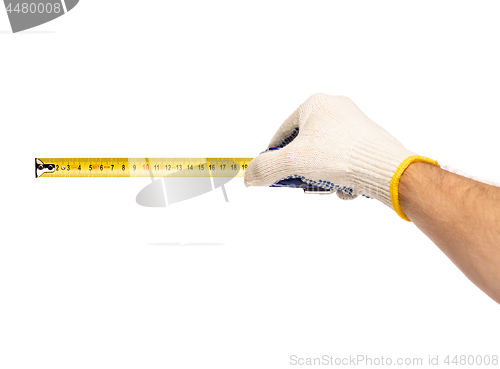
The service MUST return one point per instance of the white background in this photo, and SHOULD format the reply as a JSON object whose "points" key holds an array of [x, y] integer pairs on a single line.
{"points": [[82, 286]]}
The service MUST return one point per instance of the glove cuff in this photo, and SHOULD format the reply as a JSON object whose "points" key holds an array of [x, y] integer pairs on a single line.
{"points": [[394, 188], [378, 168], [373, 164]]}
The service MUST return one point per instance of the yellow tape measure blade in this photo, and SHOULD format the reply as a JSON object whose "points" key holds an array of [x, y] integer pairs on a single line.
{"points": [[141, 167]]}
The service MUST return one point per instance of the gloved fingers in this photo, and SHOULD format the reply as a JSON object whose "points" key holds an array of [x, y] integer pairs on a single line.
{"points": [[269, 167], [292, 125]]}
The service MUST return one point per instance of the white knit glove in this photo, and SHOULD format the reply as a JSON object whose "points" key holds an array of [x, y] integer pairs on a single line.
{"points": [[330, 143]]}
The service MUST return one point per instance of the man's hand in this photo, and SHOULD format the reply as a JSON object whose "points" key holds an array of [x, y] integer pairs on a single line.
{"points": [[329, 142]]}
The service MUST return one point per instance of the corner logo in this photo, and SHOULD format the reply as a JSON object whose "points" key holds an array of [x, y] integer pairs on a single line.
{"points": [[28, 14]]}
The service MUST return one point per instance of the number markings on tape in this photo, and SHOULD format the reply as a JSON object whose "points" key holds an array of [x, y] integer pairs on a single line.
{"points": [[145, 167]]}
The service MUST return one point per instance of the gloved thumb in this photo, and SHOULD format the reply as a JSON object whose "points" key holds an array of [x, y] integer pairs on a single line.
{"points": [[269, 167]]}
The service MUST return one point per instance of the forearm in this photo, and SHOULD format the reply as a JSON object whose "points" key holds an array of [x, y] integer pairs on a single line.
{"points": [[461, 216]]}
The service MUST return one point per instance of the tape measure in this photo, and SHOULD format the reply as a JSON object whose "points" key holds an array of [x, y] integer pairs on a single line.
{"points": [[159, 167], [141, 167]]}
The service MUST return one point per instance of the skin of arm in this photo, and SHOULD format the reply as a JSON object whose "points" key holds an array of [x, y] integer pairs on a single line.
{"points": [[461, 216]]}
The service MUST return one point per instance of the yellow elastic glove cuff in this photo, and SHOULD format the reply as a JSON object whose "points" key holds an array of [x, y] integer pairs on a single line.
{"points": [[394, 189]]}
